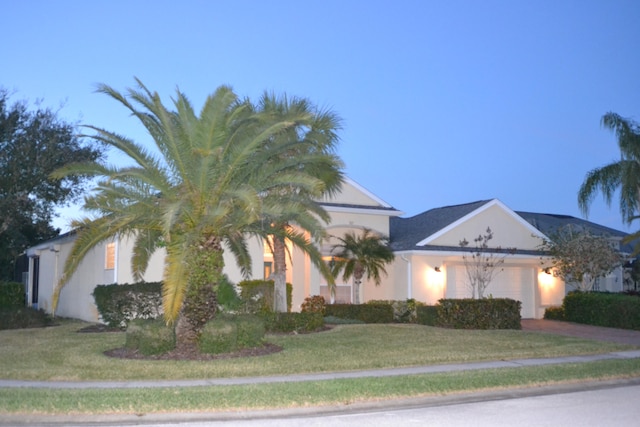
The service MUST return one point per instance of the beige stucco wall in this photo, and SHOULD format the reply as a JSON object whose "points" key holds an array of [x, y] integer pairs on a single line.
{"points": [[508, 231], [353, 194]]}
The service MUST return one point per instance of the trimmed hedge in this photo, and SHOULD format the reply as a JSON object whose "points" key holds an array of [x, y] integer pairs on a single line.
{"points": [[367, 313], [313, 304], [120, 304], [257, 295], [602, 309], [293, 322], [404, 311], [150, 336], [11, 294], [554, 313], [24, 317], [427, 315], [226, 334], [487, 313]]}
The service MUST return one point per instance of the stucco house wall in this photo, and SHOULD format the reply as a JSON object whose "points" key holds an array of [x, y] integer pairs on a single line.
{"points": [[428, 264]]}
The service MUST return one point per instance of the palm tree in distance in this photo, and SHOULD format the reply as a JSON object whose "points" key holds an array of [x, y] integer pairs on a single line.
{"points": [[312, 138], [360, 255], [201, 190], [622, 175]]}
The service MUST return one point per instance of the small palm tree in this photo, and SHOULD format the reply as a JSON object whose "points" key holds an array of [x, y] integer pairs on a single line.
{"points": [[623, 175], [312, 137], [360, 255], [202, 189]]}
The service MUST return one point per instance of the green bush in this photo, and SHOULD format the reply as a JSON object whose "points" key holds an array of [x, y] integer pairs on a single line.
{"points": [[293, 322], [11, 294], [228, 298], [367, 313], [150, 336], [427, 315], [487, 313], [257, 295], [23, 317], [404, 311], [229, 333], [120, 304], [251, 330], [219, 335], [554, 313], [313, 304], [602, 309]]}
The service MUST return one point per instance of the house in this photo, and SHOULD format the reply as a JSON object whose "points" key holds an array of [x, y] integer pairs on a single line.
{"points": [[428, 266]]}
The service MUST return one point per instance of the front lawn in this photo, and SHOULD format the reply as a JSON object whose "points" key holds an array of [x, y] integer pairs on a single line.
{"points": [[61, 353]]}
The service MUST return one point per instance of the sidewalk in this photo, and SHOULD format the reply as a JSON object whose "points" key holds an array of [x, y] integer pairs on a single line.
{"points": [[379, 373]]}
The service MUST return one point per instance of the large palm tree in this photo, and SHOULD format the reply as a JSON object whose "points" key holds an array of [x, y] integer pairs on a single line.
{"points": [[200, 190], [312, 137], [622, 175], [360, 255]]}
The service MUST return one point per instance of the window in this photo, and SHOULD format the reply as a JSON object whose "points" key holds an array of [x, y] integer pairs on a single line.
{"points": [[268, 268], [110, 256]]}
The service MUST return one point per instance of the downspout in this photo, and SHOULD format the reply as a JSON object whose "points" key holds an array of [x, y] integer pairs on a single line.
{"points": [[409, 278]]}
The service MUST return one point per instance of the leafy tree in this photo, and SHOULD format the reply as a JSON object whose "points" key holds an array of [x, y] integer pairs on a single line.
{"points": [[623, 175], [579, 257], [33, 143], [313, 137], [482, 263], [200, 191], [360, 255]]}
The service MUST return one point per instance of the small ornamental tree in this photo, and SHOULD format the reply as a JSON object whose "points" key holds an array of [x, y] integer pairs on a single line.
{"points": [[482, 263], [579, 257]]}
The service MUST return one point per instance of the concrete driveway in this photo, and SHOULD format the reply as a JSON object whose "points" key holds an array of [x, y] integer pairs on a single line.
{"points": [[620, 336]]}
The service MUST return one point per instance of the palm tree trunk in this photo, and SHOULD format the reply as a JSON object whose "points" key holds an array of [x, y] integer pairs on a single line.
{"points": [[279, 276], [200, 302]]}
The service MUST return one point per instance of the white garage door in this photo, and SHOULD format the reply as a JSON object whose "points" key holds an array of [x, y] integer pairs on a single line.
{"points": [[517, 283]]}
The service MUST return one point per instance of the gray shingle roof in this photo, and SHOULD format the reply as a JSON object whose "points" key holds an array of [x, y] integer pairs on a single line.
{"points": [[405, 233]]}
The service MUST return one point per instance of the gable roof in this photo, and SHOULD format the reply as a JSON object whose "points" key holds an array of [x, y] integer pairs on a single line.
{"points": [[416, 232]]}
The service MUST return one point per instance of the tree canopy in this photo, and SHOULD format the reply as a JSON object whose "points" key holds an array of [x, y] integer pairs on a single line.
{"points": [[579, 257], [205, 187], [34, 143], [622, 175]]}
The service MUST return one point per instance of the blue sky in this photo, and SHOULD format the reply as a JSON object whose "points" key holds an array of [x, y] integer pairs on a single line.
{"points": [[444, 102]]}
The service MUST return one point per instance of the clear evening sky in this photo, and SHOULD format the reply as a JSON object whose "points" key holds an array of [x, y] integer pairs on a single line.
{"points": [[444, 102]]}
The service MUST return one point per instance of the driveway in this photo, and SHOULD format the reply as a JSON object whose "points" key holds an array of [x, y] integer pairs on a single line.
{"points": [[620, 336]]}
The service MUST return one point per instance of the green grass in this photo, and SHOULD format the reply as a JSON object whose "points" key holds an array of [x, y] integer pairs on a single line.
{"points": [[292, 395], [60, 353]]}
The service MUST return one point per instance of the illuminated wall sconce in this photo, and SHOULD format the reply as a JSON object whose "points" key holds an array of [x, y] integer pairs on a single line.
{"points": [[547, 270], [437, 269]]}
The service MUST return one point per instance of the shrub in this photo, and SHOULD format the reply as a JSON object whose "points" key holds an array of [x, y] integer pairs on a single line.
{"points": [[554, 313], [313, 304], [23, 317], [11, 294], [427, 315], [404, 311], [150, 336], [367, 313], [219, 335], [120, 304], [602, 309], [251, 330], [226, 334], [228, 298], [257, 295], [486, 313], [293, 322]]}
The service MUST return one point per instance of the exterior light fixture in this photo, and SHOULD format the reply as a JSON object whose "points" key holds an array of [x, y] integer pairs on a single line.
{"points": [[437, 269], [547, 270]]}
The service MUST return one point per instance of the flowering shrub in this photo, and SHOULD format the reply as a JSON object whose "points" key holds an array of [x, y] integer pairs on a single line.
{"points": [[313, 304]]}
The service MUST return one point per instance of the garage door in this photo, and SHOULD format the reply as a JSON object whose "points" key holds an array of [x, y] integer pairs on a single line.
{"points": [[517, 283]]}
